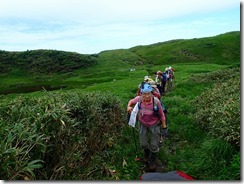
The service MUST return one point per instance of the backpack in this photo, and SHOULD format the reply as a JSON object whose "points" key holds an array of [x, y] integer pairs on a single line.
{"points": [[160, 78], [165, 78]]}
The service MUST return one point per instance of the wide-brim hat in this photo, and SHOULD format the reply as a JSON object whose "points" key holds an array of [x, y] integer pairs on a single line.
{"points": [[159, 72], [146, 78]]}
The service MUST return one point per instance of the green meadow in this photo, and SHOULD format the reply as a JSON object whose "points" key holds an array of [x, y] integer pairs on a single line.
{"points": [[63, 114]]}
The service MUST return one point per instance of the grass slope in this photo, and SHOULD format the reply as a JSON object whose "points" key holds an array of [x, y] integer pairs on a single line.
{"points": [[59, 69], [189, 146]]}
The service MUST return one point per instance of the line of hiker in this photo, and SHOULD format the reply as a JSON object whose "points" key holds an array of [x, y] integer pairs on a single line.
{"points": [[148, 109], [163, 80]]}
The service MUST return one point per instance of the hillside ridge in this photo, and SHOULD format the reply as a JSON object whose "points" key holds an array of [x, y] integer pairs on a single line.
{"points": [[220, 49]]}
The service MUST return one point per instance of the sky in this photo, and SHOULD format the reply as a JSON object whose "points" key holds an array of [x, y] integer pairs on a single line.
{"points": [[92, 26]]}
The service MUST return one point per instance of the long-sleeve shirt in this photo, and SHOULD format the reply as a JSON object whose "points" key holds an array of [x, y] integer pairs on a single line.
{"points": [[146, 113]]}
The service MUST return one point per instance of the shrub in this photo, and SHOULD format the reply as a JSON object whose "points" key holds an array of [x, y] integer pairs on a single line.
{"points": [[216, 159], [56, 135], [218, 110]]}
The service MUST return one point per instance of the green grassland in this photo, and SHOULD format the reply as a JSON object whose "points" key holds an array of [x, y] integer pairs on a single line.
{"points": [[80, 95], [58, 68]]}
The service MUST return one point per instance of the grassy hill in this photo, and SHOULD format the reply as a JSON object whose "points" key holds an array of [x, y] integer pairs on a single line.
{"points": [[80, 131], [44, 61], [217, 49], [30, 71]]}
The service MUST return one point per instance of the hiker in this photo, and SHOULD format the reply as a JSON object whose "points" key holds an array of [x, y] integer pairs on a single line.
{"points": [[159, 80], [170, 77], [150, 117], [171, 72], [156, 93], [164, 80]]}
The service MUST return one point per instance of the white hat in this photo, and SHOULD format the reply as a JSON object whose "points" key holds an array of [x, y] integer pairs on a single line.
{"points": [[146, 78]]}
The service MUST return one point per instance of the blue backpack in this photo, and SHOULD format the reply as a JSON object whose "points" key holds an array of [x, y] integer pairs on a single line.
{"points": [[165, 78]]}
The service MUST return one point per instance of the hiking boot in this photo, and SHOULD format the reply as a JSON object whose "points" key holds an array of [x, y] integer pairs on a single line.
{"points": [[146, 156], [152, 164]]}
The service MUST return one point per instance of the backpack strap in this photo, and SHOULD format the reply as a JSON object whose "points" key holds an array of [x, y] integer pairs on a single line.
{"points": [[139, 102], [155, 103]]}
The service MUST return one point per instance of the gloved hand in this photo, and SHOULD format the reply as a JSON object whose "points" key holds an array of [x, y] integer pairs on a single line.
{"points": [[165, 132]]}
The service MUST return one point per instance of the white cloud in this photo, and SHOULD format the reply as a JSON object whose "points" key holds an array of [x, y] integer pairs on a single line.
{"points": [[108, 10], [95, 25]]}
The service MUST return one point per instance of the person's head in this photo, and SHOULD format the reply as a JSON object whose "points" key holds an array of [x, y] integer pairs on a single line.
{"points": [[159, 72], [146, 91], [146, 78]]}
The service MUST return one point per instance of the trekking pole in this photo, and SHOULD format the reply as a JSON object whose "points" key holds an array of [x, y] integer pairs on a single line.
{"points": [[133, 131], [137, 158]]}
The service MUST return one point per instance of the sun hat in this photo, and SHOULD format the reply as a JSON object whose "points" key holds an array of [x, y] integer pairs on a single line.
{"points": [[145, 88], [159, 72], [146, 78]]}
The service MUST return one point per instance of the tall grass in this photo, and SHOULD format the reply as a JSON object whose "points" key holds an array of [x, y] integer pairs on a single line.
{"points": [[58, 135], [202, 141]]}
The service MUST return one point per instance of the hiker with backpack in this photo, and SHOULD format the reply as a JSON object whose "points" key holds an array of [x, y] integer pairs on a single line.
{"points": [[159, 80], [170, 75], [151, 118], [156, 93], [164, 81], [171, 72]]}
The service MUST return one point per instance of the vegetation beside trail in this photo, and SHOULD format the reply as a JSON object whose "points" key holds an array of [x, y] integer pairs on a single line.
{"points": [[80, 131], [58, 136], [205, 116]]}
